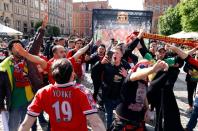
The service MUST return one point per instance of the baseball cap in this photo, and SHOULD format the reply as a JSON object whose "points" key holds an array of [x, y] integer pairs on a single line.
{"points": [[160, 47]]}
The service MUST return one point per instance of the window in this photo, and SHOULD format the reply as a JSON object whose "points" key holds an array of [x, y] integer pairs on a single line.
{"points": [[6, 7], [18, 11], [24, 2], [25, 27], [87, 31], [18, 25], [36, 4], [86, 23]]}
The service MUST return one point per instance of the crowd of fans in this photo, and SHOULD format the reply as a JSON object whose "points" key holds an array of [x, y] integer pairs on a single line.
{"points": [[46, 76]]}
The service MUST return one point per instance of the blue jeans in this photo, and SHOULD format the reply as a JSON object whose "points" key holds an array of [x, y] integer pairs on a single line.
{"points": [[110, 105], [193, 119], [16, 117]]}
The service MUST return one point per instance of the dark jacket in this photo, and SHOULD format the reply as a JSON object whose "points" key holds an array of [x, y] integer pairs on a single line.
{"points": [[108, 78], [47, 49], [33, 73], [94, 58]]}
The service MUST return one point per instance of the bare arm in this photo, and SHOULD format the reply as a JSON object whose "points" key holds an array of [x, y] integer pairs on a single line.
{"points": [[141, 74], [38, 39], [33, 58], [96, 122], [181, 53], [82, 50], [190, 52], [27, 123]]}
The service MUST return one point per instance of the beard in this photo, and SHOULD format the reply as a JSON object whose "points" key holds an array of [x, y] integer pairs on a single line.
{"points": [[17, 56]]}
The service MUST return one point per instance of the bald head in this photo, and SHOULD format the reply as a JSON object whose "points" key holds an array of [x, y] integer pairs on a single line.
{"points": [[59, 52]]}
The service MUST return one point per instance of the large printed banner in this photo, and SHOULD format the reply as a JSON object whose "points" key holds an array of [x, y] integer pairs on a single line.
{"points": [[118, 24]]}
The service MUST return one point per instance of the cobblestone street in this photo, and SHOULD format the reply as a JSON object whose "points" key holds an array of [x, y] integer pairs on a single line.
{"points": [[181, 96]]}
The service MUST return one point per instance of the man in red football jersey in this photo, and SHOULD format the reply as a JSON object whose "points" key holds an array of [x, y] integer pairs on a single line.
{"points": [[60, 52], [77, 63], [67, 104]]}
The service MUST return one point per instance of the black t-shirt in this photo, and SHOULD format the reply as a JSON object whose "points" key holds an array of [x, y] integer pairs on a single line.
{"points": [[133, 95], [130, 58], [94, 58], [113, 80]]}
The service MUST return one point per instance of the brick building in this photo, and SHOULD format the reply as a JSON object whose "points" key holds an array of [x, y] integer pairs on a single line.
{"points": [[158, 7], [82, 16]]}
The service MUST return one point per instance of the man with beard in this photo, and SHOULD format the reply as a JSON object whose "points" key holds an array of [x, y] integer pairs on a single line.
{"points": [[69, 105], [60, 52], [19, 77], [15, 85]]}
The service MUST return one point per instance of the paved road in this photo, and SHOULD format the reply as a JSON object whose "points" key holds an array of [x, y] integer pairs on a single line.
{"points": [[181, 96]]}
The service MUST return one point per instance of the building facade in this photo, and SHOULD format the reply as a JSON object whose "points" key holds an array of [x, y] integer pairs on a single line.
{"points": [[6, 16], [25, 13], [158, 7], [69, 12], [60, 14], [22, 15], [82, 16]]}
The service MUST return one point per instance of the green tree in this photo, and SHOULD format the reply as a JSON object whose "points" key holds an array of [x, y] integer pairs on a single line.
{"points": [[189, 15], [56, 31], [169, 23], [49, 31], [53, 31], [37, 25]]}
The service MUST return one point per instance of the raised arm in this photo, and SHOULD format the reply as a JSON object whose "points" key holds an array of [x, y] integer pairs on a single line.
{"points": [[133, 43], [82, 50], [181, 53], [190, 52], [32, 58], [38, 39], [141, 74], [184, 56]]}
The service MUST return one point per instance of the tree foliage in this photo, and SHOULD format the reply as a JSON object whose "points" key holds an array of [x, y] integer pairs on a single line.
{"points": [[169, 23], [189, 15], [37, 25], [182, 17], [53, 31], [56, 31]]}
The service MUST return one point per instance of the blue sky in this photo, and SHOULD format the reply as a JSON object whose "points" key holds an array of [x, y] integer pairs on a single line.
{"points": [[122, 4]]}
